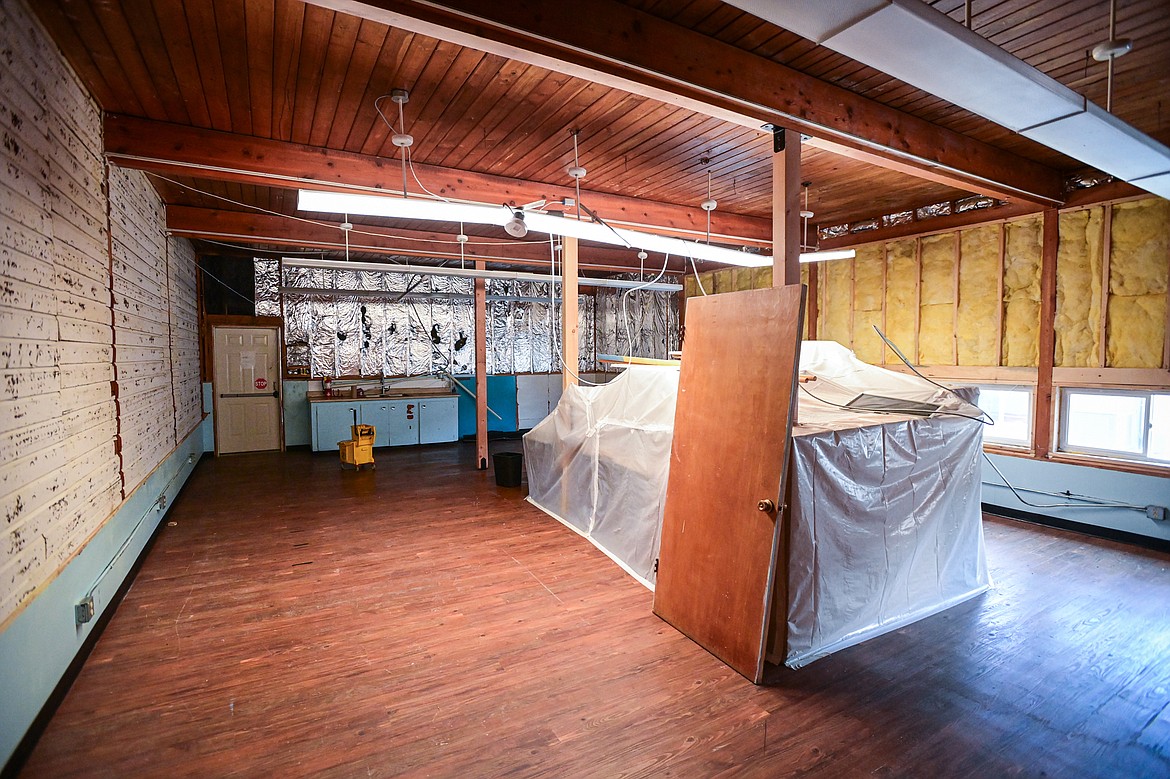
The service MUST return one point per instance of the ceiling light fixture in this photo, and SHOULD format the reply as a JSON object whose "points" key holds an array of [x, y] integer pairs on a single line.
{"points": [[535, 221], [515, 226], [959, 65], [814, 254]]}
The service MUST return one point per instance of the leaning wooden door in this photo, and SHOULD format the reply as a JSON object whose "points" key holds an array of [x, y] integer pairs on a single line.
{"points": [[720, 534], [247, 389]]}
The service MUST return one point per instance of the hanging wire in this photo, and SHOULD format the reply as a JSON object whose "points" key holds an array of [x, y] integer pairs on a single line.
{"points": [[625, 296], [695, 270]]}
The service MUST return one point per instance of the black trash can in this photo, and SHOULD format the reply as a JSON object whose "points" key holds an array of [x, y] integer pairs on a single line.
{"points": [[509, 468]]}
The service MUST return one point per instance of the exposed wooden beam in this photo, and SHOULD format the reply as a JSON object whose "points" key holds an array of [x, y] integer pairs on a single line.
{"points": [[240, 227], [190, 151], [619, 46]]}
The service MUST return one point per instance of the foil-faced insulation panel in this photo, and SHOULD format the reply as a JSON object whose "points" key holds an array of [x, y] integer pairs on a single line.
{"points": [[265, 291], [933, 210]]}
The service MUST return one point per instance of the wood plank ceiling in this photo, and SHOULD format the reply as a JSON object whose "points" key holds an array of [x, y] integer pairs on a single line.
{"points": [[300, 73]]}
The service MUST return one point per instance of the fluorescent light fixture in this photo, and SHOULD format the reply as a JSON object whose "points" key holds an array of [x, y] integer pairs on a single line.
{"points": [[828, 254], [1098, 138], [916, 43], [472, 273], [442, 211]]}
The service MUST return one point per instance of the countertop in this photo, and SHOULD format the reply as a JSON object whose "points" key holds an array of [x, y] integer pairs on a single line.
{"points": [[319, 397]]}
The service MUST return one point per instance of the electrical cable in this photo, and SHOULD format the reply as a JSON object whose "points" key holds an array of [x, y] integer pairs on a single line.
{"points": [[695, 270], [1087, 502], [902, 357], [625, 295], [226, 286], [897, 411]]}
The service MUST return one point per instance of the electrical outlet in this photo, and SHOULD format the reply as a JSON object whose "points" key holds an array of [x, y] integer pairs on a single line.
{"points": [[83, 611], [1156, 512]]}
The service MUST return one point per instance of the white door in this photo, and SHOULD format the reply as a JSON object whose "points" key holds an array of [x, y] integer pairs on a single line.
{"points": [[247, 389]]}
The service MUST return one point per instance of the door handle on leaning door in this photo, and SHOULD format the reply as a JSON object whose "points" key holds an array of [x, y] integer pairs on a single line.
{"points": [[767, 505]]}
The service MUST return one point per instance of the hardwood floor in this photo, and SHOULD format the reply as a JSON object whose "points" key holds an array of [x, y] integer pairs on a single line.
{"points": [[298, 620]]}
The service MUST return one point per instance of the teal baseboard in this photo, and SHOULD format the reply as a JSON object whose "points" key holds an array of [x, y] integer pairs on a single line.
{"points": [[42, 641]]}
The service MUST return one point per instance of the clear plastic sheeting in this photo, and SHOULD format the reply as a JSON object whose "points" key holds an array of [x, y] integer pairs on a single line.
{"points": [[885, 525], [599, 463]]}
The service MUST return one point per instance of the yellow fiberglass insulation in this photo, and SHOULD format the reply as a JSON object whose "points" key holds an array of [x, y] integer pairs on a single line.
{"points": [[867, 303], [936, 327], [901, 296], [1138, 270], [836, 301], [979, 296], [1021, 292], [1078, 289]]}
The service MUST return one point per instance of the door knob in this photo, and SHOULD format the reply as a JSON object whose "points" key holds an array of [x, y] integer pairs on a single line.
{"points": [[766, 505]]}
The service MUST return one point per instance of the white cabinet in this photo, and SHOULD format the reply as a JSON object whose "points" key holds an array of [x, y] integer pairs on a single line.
{"points": [[438, 420], [536, 396], [397, 422]]}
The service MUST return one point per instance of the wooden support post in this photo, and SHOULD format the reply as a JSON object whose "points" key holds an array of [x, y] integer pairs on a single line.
{"points": [[1042, 418], [1106, 271], [812, 308], [955, 298], [481, 437], [786, 212], [569, 312], [999, 334]]}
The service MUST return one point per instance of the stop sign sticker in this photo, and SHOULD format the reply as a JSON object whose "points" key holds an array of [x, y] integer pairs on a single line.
{"points": [[261, 383]]}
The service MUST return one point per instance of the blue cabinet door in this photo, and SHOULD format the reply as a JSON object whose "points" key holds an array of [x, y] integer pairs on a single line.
{"points": [[377, 413], [439, 420], [402, 423], [331, 423]]}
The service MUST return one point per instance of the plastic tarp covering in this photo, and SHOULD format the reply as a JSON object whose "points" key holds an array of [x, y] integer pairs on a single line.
{"points": [[886, 526], [599, 463]]}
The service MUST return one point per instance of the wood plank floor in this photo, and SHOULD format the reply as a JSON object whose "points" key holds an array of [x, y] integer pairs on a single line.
{"points": [[416, 620]]}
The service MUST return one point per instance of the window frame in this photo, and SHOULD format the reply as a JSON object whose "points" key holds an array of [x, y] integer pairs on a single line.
{"points": [[1027, 442], [1063, 414]]}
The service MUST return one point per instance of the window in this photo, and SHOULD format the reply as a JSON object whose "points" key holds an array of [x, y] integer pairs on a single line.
{"points": [[1133, 424], [1011, 408]]}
